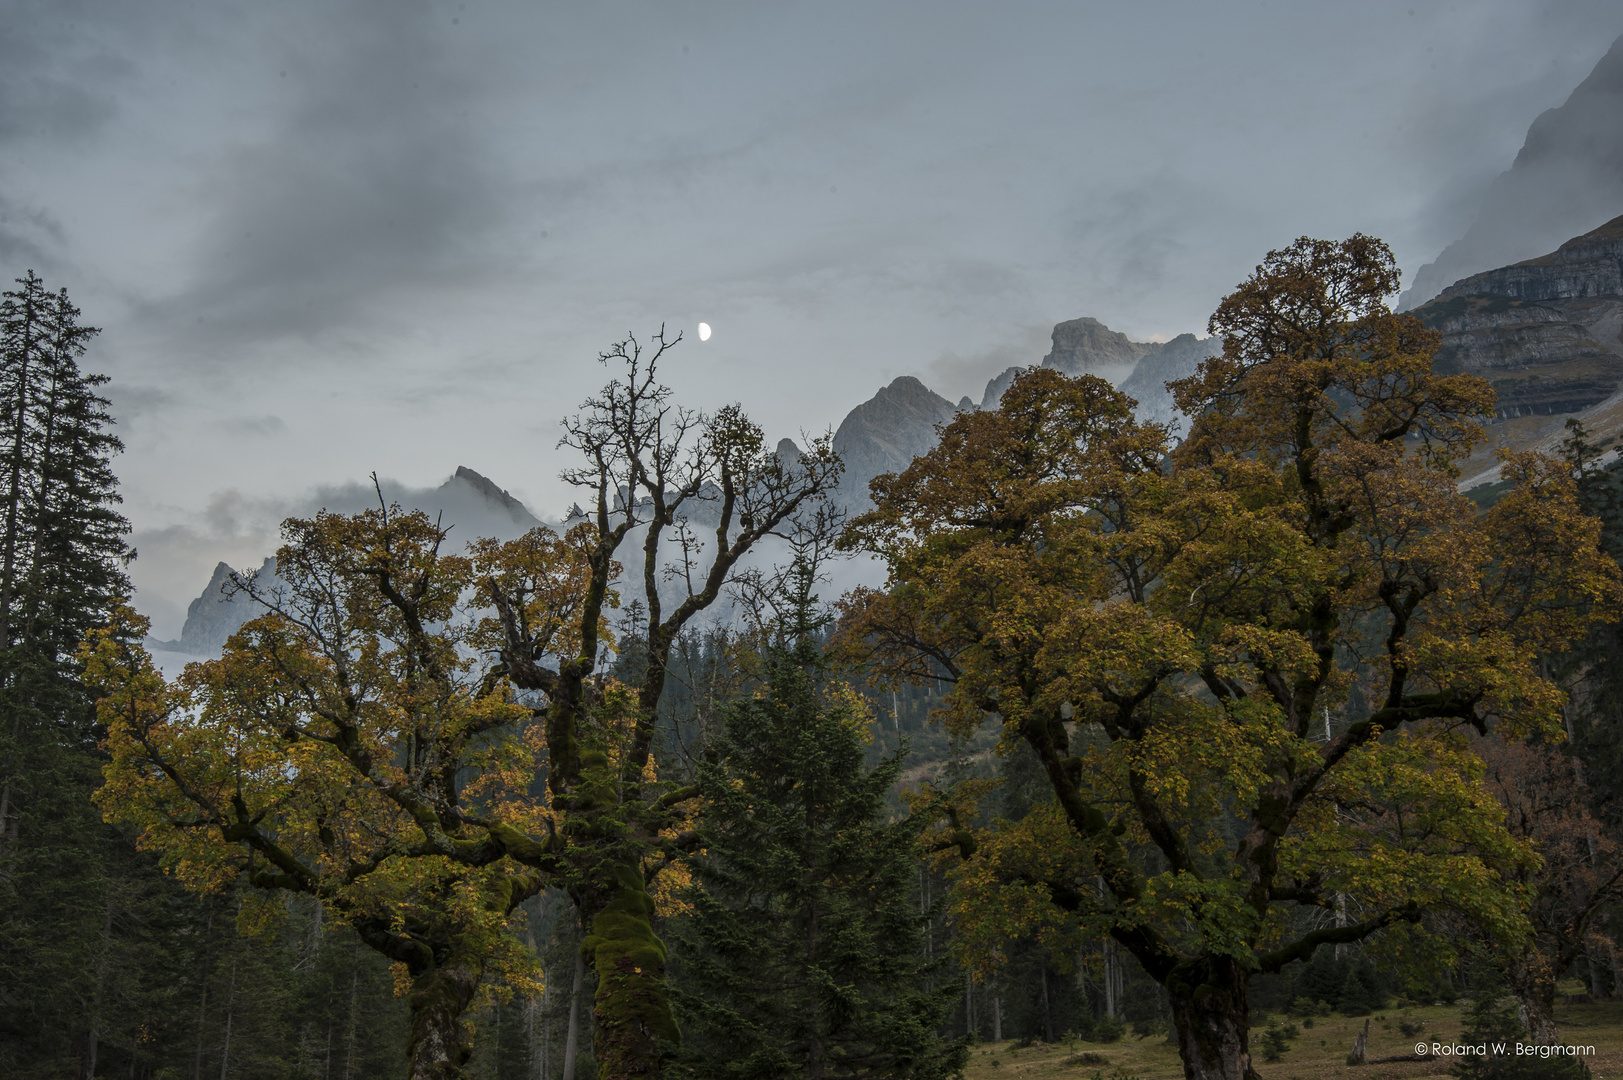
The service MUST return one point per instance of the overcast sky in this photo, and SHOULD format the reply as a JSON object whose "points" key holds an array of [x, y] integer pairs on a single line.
{"points": [[331, 237]]}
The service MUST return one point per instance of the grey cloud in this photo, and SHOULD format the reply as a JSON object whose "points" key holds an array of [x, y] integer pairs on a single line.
{"points": [[372, 182], [17, 249], [255, 425], [232, 513], [131, 401], [134, 405], [955, 375], [362, 238], [47, 108], [54, 79], [1141, 250], [30, 238]]}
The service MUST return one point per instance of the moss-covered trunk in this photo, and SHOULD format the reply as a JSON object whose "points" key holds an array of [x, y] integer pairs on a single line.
{"points": [[632, 1009], [1212, 1013], [439, 1045], [1533, 980]]}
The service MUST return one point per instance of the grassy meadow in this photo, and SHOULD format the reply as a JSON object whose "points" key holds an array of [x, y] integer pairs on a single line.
{"points": [[1319, 1053]]}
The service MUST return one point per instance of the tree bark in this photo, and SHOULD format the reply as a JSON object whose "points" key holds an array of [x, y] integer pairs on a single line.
{"points": [[1211, 1016], [202, 1016], [94, 1040], [1048, 1013], [572, 1043], [230, 1007], [354, 1018], [438, 1046], [1533, 983], [203, 997], [1110, 977], [632, 1007], [535, 1031], [969, 1006], [1617, 970]]}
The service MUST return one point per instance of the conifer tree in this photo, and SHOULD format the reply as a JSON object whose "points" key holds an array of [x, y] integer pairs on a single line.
{"points": [[70, 887], [62, 550], [804, 953]]}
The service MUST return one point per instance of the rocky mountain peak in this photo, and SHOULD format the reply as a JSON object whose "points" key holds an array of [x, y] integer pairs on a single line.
{"points": [[1567, 179], [997, 386], [216, 614], [1088, 346], [470, 503], [885, 433], [494, 496], [1163, 363], [1140, 368]]}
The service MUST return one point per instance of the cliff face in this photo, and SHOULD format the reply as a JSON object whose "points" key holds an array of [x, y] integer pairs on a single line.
{"points": [[884, 434], [483, 491], [996, 386], [216, 615], [1544, 332], [1140, 369], [1176, 359], [1567, 179], [1584, 267], [1088, 346]]}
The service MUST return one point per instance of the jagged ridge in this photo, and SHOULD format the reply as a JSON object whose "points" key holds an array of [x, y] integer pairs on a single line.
{"points": [[1567, 178], [1544, 331]]}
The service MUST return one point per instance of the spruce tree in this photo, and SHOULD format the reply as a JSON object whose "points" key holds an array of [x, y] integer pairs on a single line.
{"points": [[71, 889], [107, 965], [804, 954], [62, 550], [1492, 1021]]}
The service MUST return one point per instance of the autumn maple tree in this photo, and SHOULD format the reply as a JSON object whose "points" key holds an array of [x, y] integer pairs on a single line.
{"points": [[690, 496], [1244, 662], [348, 746], [422, 739]]}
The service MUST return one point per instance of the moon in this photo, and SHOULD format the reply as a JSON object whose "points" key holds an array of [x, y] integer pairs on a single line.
{"points": [[704, 331]]}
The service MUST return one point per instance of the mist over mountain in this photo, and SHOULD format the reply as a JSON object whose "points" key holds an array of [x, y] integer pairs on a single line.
{"points": [[215, 615], [1139, 368], [1567, 180], [1545, 332], [1161, 364], [1088, 346], [885, 433], [470, 503]]}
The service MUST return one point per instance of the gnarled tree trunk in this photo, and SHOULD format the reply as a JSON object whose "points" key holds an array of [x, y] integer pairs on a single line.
{"points": [[438, 1046], [1211, 1013], [1533, 983], [632, 1007]]}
